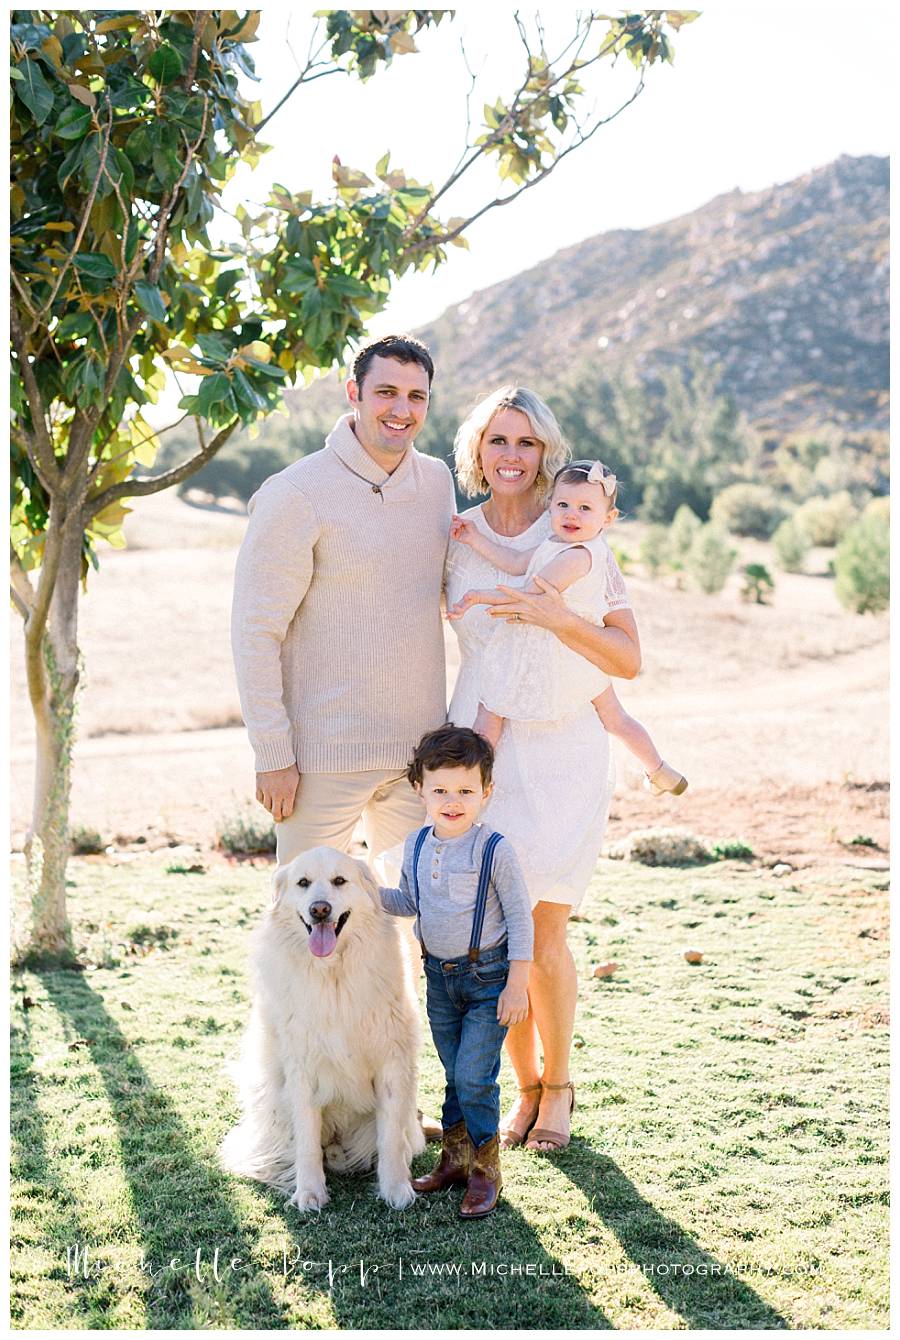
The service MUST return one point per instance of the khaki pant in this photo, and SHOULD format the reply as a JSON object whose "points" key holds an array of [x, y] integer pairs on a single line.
{"points": [[330, 804]]}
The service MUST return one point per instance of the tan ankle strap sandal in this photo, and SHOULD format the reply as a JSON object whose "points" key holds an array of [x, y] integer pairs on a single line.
{"points": [[541, 1133], [510, 1138]]}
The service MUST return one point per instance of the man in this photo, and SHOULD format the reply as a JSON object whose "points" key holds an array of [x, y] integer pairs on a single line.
{"points": [[336, 627]]}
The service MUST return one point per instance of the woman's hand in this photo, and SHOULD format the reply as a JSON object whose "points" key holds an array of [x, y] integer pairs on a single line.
{"points": [[544, 609]]}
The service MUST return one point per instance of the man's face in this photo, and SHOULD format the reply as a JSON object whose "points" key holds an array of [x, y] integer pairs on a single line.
{"points": [[390, 406]]}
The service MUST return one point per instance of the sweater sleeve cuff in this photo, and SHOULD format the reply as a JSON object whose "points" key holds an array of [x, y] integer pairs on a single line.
{"points": [[273, 752]]}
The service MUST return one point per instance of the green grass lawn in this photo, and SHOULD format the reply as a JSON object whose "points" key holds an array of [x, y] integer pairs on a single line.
{"points": [[728, 1166]]}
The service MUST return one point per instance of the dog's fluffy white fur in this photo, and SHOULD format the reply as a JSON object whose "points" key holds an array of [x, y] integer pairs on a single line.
{"points": [[328, 1071]]}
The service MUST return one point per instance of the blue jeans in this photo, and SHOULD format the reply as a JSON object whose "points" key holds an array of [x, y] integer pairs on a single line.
{"points": [[461, 1002]]}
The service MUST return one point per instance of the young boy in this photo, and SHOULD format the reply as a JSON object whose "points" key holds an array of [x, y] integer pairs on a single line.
{"points": [[473, 920]]}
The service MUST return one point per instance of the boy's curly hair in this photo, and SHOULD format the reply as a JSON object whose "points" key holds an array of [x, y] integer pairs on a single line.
{"points": [[451, 747]]}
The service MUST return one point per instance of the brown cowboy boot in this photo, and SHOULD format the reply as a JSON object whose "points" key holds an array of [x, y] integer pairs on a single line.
{"points": [[454, 1162], [483, 1189]]}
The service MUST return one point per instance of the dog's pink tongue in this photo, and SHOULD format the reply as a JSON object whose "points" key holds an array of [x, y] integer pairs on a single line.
{"points": [[322, 939]]}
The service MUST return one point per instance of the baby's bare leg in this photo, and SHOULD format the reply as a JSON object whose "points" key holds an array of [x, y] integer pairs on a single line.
{"points": [[625, 728], [489, 725]]}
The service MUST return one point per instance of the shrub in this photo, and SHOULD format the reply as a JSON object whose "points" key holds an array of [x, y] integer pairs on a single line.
{"points": [[246, 834], [662, 846], [826, 519], [732, 851], [622, 557], [710, 559], [85, 841], [790, 544], [654, 549], [862, 566], [757, 583], [747, 509], [685, 525], [879, 507]]}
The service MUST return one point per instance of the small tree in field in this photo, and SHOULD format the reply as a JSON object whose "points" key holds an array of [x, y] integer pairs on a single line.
{"points": [[758, 583], [126, 125], [710, 559], [685, 525], [655, 549], [791, 545], [862, 565]]}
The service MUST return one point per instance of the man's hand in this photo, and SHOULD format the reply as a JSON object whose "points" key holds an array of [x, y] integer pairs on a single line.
{"points": [[277, 791]]}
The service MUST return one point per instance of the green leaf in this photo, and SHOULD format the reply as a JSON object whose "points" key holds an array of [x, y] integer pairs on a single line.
{"points": [[68, 166], [73, 325], [166, 166], [15, 74], [165, 64], [73, 122], [246, 393], [214, 346], [94, 265], [149, 299], [34, 91], [267, 369], [213, 391]]}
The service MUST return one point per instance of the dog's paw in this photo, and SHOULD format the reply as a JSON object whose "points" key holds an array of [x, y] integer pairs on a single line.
{"points": [[399, 1195], [310, 1197]]}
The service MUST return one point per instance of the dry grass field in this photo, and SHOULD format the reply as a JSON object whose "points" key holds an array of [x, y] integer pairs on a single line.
{"points": [[777, 714]]}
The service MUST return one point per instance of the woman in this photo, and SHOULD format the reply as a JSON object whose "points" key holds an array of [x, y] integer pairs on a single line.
{"points": [[553, 781]]}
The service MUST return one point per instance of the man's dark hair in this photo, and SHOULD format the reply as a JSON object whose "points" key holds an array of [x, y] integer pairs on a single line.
{"points": [[405, 348], [451, 747]]}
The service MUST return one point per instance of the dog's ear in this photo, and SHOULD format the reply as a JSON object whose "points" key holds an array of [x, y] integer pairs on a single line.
{"points": [[279, 883], [368, 882]]}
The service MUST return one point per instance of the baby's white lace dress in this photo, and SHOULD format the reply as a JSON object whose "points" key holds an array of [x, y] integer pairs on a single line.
{"points": [[553, 780], [526, 672]]}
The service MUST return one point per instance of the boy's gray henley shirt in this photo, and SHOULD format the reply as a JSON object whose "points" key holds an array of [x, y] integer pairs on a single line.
{"points": [[448, 883]]}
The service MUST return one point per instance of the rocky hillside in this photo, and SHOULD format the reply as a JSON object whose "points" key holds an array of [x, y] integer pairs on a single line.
{"points": [[786, 289]]}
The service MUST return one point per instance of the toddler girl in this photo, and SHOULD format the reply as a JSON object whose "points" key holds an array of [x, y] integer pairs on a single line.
{"points": [[527, 674]]}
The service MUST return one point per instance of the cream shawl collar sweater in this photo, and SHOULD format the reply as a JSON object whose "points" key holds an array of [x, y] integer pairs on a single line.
{"points": [[336, 627]]}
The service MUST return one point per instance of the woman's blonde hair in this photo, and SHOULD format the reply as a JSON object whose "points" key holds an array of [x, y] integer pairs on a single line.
{"points": [[467, 443]]}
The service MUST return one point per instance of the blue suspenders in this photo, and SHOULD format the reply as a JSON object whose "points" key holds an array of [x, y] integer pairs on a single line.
{"points": [[484, 879]]}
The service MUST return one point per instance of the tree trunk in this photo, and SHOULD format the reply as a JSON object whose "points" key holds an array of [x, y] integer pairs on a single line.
{"points": [[52, 661]]}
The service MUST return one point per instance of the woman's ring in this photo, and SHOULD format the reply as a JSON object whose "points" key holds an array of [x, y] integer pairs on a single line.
{"points": [[518, 618]]}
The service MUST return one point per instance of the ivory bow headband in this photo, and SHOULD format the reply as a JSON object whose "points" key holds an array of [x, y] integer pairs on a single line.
{"points": [[596, 476]]}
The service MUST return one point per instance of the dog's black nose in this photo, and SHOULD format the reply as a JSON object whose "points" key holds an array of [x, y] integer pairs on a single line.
{"points": [[320, 911]]}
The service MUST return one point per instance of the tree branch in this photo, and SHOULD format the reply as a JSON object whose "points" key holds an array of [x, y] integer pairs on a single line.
{"points": [[427, 242], [144, 484], [38, 443], [36, 622], [20, 587], [104, 149], [101, 464], [304, 78]]}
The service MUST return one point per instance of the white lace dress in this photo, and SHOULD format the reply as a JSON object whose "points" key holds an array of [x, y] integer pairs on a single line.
{"points": [[553, 780], [526, 673]]}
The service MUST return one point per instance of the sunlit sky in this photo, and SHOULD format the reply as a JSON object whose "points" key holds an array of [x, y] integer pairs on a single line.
{"points": [[759, 93]]}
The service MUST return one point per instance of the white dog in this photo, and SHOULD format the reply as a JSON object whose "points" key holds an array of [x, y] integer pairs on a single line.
{"points": [[329, 1063]]}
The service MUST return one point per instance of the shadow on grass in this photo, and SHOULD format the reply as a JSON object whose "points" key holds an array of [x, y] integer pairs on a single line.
{"points": [[180, 1202], [707, 1298], [424, 1267], [41, 1194]]}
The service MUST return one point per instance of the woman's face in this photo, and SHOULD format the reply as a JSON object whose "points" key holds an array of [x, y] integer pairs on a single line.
{"points": [[510, 453]]}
